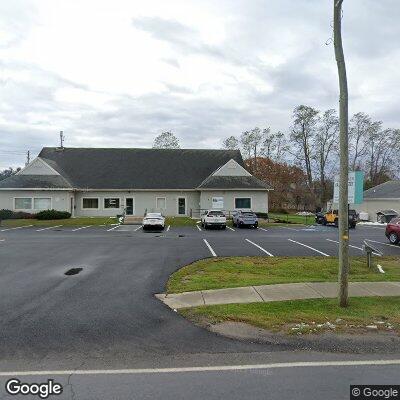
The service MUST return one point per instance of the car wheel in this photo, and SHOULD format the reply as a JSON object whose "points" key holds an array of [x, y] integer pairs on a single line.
{"points": [[393, 238], [336, 223], [223, 227]]}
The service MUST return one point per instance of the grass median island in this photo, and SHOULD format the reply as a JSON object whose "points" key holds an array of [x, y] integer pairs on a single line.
{"points": [[307, 316], [180, 221], [228, 272]]}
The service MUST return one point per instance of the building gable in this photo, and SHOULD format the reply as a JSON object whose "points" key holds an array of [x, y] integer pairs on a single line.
{"points": [[38, 167], [231, 168]]}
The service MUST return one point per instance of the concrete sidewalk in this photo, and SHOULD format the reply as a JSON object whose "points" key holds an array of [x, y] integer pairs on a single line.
{"points": [[281, 292]]}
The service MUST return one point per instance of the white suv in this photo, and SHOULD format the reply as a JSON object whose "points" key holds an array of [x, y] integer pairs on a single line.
{"points": [[213, 218]]}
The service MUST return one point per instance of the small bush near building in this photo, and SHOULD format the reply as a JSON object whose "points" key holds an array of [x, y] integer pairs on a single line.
{"points": [[8, 214], [52, 214]]}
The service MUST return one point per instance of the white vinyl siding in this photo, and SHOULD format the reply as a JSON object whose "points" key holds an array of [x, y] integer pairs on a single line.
{"points": [[161, 203], [23, 203], [42, 203]]}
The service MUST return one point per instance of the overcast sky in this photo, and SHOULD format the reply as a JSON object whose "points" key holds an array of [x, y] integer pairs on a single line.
{"points": [[117, 73]]}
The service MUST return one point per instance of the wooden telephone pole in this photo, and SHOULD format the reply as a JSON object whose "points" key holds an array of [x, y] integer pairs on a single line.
{"points": [[344, 157]]}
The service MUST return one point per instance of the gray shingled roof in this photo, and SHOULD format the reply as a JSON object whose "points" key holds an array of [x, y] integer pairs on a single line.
{"points": [[34, 181], [95, 168], [233, 182], [387, 190]]}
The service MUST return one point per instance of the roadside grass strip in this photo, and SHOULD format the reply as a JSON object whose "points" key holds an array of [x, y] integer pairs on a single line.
{"points": [[115, 227], [259, 247], [17, 227], [354, 247], [82, 227], [230, 272], [210, 248], [309, 247], [49, 227]]}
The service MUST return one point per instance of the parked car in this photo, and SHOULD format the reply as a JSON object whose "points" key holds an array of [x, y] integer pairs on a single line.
{"points": [[319, 217], [153, 221], [213, 218], [245, 218], [332, 217], [393, 231]]}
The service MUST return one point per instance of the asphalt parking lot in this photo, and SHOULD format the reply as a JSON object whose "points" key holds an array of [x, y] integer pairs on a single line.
{"points": [[106, 315]]}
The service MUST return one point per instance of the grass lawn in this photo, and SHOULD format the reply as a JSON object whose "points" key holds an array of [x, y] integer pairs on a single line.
{"points": [[307, 316], [292, 218], [225, 272], [11, 223], [180, 221]]}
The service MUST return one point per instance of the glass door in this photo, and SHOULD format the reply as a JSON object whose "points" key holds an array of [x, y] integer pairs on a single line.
{"points": [[129, 206], [181, 205]]}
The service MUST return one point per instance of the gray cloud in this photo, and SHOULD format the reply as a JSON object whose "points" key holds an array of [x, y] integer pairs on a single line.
{"points": [[31, 114]]}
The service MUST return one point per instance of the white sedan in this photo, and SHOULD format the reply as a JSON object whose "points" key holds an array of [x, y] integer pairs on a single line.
{"points": [[153, 221]]}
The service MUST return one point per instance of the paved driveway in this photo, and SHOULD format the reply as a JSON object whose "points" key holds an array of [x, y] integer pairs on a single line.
{"points": [[107, 316]]}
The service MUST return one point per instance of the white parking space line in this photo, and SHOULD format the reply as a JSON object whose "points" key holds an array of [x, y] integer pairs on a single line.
{"points": [[354, 247], [258, 246], [82, 227], [309, 247], [198, 228], [230, 228], [2, 240], [386, 244], [210, 248], [111, 229], [50, 227], [265, 230], [140, 227], [291, 229], [169, 226], [18, 227]]}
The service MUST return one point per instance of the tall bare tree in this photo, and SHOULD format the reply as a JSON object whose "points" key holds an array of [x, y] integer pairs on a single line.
{"points": [[325, 146], [360, 125], [302, 136], [230, 143]]}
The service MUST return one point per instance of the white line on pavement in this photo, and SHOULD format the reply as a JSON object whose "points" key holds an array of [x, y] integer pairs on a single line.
{"points": [[2, 240], [386, 244], [45, 229], [309, 247], [354, 247], [138, 228], [82, 227], [18, 227], [210, 248], [230, 228], [169, 226], [296, 364], [292, 229], [266, 230], [255, 244], [198, 227], [111, 229]]}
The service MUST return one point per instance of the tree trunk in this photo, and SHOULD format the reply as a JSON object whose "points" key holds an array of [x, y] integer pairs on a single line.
{"points": [[344, 157]]}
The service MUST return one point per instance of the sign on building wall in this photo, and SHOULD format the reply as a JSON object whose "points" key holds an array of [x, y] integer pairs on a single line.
{"points": [[355, 185], [218, 203]]}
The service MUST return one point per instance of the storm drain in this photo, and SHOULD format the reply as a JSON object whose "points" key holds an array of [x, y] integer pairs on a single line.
{"points": [[73, 271]]}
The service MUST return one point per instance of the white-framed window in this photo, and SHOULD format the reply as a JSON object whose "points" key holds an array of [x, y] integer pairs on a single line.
{"points": [[112, 202], [42, 203], [243, 203], [90, 203], [23, 203], [161, 203]]}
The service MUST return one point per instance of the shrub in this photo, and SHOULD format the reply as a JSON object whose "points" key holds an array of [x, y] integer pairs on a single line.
{"points": [[52, 214], [8, 214]]}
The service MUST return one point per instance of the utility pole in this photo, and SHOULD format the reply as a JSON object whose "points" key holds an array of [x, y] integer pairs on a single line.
{"points": [[344, 157], [62, 137], [28, 157]]}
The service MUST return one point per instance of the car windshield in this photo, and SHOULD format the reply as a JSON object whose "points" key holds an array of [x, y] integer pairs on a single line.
{"points": [[248, 214]]}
